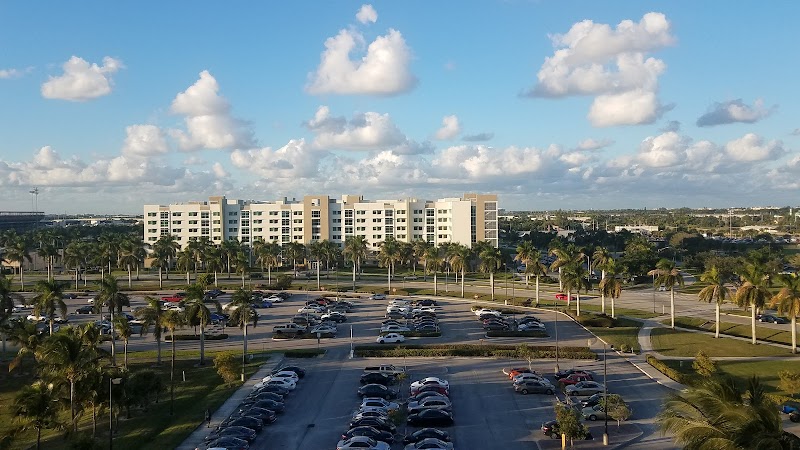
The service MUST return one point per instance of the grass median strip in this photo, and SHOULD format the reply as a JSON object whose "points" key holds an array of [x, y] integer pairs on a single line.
{"points": [[735, 329], [669, 342]]}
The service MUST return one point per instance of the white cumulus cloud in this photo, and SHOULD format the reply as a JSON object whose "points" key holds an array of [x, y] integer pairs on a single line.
{"points": [[369, 131], [292, 161], [367, 14], [207, 117], [733, 111], [611, 64], [384, 69], [144, 141], [752, 147], [450, 128], [82, 81], [14, 73]]}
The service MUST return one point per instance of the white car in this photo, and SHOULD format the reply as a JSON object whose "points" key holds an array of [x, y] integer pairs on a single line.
{"points": [[362, 443], [399, 302], [282, 382], [275, 299], [423, 309], [35, 318], [478, 312], [391, 338], [310, 309], [377, 297], [324, 329], [377, 402], [435, 381], [530, 376], [394, 329], [531, 326], [285, 374]]}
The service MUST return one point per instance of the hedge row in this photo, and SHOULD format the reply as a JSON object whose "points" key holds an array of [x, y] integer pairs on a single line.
{"points": [[501, 333], [192, 337], [497, 351], [666, 370], [594, 320]]}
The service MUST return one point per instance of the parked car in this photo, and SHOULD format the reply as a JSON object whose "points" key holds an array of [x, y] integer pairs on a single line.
{"points": [[361, 442], [370, 432], [69, 295], [530, 376], [390, 338], [575, 378], [85, 310], [375, 422], [430, 443], [431, 388], [377, 402], [593, 412], [394, 329], [262, 414], [425, 433], [256, 396], [593, 400], [377, 378], [430, 403], [423, 395], [563, 297], [430, 417], [377, 297], [248, 434], [584, 388], [567, 372], [272, 388], [280, 382], [334, 316], [427, 328], [376, 390], [298, 370], [289, 374], [431, 381], [271, 405], [769, 318], [530, 386], [229, 443], [244, 421]]}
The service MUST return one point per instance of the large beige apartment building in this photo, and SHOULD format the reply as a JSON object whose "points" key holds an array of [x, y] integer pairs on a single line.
{"points": [[465, 220]]}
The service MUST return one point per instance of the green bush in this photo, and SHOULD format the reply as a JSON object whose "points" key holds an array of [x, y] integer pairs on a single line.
{"points": [[500, 333], [666, 370], [191, 337], [593, 320], [228, 365], [497, 351]]}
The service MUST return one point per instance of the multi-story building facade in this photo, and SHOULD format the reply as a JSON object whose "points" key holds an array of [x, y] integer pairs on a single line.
{"points": [[465, 220]]}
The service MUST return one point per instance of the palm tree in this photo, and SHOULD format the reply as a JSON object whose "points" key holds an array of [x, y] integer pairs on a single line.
{"points": [[575, 278], [405, 255], [164, 251], [111, 297], [37, 408], [125, 331], [667, 275], [74, 257], [355, 248], [719, 415], [49, 301], [172, 320], [242, 313], [716, 292], [151, 315], [421, 247], [109, 249], [610, 286], [432, 259], [601, 258], [388, 255], [19, 251], [197, 311], [185, 262], [48, 252], [526, 252], [6, 307], [230, 249], [754, 292], [491, 259], [537, 269], [214, 262], [128, 257], [459, 256], [787, 301], [242, 264], [294, 251], [316, 252], [565, 256], [64, 356], [25, 335]]}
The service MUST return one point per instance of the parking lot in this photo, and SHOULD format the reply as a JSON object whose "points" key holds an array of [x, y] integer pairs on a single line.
{"points": [[488, 413]]}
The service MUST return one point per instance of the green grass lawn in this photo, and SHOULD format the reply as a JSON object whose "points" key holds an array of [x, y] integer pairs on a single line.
{"points": [[741, 330], [740, 371], [669, 342], [203, 389]]}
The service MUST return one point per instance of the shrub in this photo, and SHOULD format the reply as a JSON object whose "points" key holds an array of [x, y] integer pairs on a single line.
{"points": [[666, 370], [703, 365], [228, 366], [790, 382]]}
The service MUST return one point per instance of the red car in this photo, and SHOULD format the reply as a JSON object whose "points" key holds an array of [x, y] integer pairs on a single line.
{"points": [[562, 296], [430, 388], [174, 298], [518, 370], [576, 378]]}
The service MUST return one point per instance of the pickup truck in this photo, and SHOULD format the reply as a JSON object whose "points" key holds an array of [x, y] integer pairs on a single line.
{"points": [[387, 369], [289, 329], [174, 298]]}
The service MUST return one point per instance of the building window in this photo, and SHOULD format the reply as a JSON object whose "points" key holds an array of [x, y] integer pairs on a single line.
{"points": [[176, 214], [315, 213], [285, 213], [297, 213], [216, 213], [273, 213], [192, 214], [401, 212], [152, 214], [232, 213], [232, 230], [233, 222]]}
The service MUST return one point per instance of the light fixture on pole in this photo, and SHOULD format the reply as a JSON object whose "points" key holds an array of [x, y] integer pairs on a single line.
{"points": [[590, 342], [111, 383]]}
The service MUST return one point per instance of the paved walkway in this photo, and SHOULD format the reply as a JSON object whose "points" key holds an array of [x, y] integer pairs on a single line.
{"points": [[230, 405]]}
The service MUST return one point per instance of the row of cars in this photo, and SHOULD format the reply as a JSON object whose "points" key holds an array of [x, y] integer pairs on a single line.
{"points": [[405, 316], [319, 316], [373, 423], [493, 320], [260, 408]]}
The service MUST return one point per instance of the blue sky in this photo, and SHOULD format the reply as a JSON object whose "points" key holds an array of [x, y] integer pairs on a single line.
{"points": [[572, 105]]}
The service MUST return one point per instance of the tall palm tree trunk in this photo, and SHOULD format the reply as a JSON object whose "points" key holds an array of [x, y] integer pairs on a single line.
{"points": [[38, 438], [753, 322], [172, 376], [603, 294], [113, 342], [158, 350], [354, 275], [160, 279], [202, 344], [125, 352], [794, 333], [462, 283], [578, 303], [491, 283], [389, 276], [318, 285], [435, 284], [244, 344], [560, 284], [672, 308], [76, 279], [129, 276], [613, 313], [269, 274], [716, 314], [72, 404], [51, 326], [537, 290]]}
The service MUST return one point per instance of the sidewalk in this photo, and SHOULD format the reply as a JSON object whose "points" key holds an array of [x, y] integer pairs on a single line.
{"points": [[230, 405]]}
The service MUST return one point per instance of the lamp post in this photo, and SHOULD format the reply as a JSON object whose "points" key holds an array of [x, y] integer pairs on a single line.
{"points": [[555, 311], [654, 293], [111, 383], [605, 386]]}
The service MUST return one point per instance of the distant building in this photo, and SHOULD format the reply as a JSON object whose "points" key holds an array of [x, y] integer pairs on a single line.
{"points": [[465, 220], [641, 229], [20, 221]]}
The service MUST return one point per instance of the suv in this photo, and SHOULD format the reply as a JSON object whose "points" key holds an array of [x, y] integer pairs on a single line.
{"points": [[290, 329]]}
